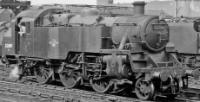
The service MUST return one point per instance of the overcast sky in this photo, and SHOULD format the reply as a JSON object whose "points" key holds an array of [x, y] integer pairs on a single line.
{"points": [[91, 2]]}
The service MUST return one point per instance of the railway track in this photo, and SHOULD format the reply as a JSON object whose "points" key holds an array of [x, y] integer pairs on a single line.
{"points": [[191, 93], [61, 94]]}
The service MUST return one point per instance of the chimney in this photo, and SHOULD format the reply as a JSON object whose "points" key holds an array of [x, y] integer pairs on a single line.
{"points": [[139, 7]]}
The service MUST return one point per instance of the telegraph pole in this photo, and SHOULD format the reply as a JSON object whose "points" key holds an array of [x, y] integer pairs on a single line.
{"points": [[176, 8]]}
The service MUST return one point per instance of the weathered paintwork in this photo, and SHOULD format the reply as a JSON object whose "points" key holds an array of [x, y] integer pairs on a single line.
{"points": [[126, 49], [47, 37]]}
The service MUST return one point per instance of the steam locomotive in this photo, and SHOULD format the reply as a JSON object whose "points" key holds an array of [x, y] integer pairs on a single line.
{"points": [[110, 54]]}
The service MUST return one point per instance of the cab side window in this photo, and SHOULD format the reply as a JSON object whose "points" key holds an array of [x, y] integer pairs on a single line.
{"points": [[28, 26], [25, 27]]}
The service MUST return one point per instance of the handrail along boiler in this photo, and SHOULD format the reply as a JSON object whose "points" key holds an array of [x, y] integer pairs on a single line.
{"points": [[110, 54]]}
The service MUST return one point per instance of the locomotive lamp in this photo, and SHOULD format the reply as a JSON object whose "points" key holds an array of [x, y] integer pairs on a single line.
{"points": [[196, 25], [195, 73], [170, 47]]}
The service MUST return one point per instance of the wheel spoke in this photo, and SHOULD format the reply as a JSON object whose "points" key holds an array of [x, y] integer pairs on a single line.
{"points": [[70, 79], [43, 74], [101, 86]]}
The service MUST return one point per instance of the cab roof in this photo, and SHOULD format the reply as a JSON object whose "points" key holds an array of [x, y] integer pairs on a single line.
{"points": [[35, 13]]}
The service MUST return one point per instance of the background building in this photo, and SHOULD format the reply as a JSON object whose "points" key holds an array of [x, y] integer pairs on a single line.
{"points": [[175, 8], [104, 2]]}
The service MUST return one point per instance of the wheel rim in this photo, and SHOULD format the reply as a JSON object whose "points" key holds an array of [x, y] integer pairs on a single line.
{"points": [[70, 79], [101, 85], [43, 75], [144, 90]]}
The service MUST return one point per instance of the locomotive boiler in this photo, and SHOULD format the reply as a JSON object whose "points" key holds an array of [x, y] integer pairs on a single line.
{"points": [[110, 54]]}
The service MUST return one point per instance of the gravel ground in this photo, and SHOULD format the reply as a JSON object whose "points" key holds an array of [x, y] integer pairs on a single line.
{"points": [[12, 97], [194, 83]]}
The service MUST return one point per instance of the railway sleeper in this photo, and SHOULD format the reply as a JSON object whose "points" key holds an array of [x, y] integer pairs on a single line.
{"points": [[69, 94], [14, 90], [29, 64], [25, 92], [57, 97]]}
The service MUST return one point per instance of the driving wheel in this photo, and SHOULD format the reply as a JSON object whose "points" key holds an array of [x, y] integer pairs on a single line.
{"points": [[70, 78], [43, 74], [101, 85]]}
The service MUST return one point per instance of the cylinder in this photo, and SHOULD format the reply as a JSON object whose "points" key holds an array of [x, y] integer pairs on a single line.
{"points": [[139, 7]]}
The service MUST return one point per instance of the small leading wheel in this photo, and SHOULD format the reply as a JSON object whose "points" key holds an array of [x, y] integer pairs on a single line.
{"points": [[144, 89], [101, 85], [70, 78], [43, 74]]}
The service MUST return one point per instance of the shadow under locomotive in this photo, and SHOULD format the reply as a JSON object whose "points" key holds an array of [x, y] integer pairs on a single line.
{"points": [[129, 54]]}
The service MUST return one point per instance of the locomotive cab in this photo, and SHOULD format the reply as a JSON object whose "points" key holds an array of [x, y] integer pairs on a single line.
{"points": [[23, 31]]}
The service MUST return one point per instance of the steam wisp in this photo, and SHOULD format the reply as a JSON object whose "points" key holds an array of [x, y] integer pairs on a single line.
{"points": [[14, 74]]}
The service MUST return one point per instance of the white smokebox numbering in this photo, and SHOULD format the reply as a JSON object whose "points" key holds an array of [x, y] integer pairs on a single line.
{"points": [[14, 74]]}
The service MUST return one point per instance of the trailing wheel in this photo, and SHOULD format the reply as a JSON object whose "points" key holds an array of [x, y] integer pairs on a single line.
{"points": [[144, 89], [43, 74], [70, 78], [101, 85]]}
